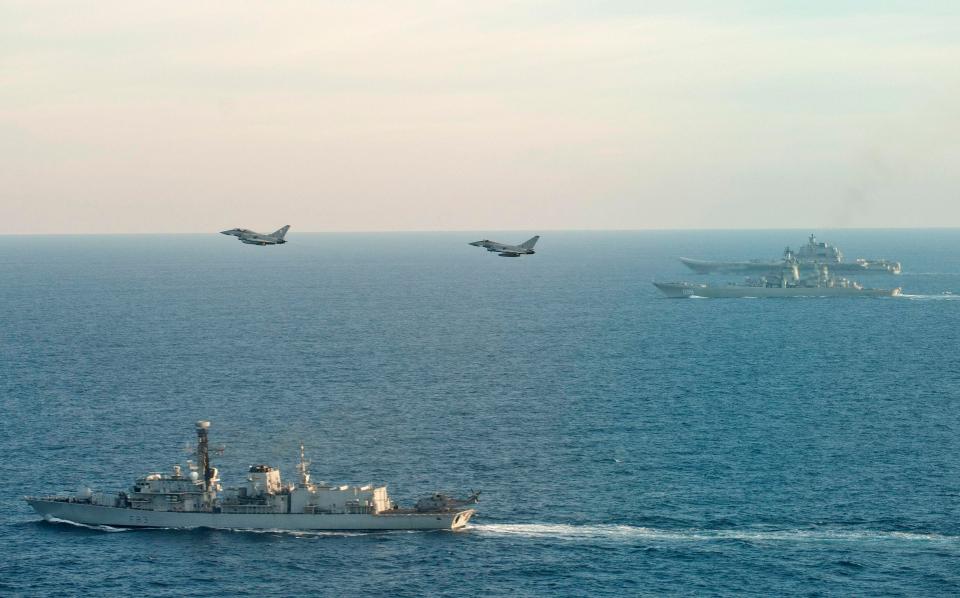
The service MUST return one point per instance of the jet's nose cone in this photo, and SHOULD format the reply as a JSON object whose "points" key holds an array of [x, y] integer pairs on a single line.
{"points": [[226, 232], [476, 243]]}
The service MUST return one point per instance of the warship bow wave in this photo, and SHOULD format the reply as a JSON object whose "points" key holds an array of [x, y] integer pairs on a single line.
{"points": [[786, 283], [810, 255], [195, 499]]}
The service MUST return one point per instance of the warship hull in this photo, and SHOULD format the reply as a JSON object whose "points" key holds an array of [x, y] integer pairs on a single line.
{"points": [[80, 512], [679, 290]]}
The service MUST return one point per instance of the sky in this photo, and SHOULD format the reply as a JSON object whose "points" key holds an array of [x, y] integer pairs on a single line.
{"points": [[176, 117]]}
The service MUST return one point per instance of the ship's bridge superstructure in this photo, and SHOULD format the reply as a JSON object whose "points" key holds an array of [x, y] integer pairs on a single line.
{"points": [[170, 492], [819, 251], [178, 491]]}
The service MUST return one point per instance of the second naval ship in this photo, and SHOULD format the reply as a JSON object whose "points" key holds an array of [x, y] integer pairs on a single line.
{"points": [[808, 256], [194, 498], [786, 283]]}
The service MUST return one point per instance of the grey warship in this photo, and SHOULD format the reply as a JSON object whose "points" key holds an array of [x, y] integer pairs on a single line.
{"points": [[809, 256], [785, 283], [194, 498]]}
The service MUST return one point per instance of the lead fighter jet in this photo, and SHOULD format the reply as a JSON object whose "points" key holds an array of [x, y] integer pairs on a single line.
{"points": [[253, 238], [525, 248]]}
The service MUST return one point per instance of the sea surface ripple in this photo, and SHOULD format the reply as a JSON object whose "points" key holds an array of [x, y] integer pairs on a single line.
{"points": [[625, 444]]}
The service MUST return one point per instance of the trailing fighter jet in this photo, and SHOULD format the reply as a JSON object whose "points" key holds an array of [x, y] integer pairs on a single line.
{"points": [[252, 238], [525, 248]]}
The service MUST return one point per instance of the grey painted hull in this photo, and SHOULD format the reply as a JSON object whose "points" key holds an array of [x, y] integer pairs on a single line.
{"points": [[683, 290], [117, 517]]}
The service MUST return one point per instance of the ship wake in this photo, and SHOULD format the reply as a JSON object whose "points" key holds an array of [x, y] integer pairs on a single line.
{"points": [[945, 296], [306, 533], [99, 528], [285, 532], [629, 533]]}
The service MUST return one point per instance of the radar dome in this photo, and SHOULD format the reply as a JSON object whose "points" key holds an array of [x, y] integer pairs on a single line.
{"points": [[84, 493], [194, 476]]}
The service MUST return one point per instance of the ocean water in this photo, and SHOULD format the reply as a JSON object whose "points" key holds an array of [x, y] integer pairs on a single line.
{"points": [[625, 444]]}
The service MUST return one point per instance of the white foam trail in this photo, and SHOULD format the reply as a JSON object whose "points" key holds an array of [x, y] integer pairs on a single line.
{"points": [[296, 533], [609, 532], [299, 533], [628, 532], [940, 297], [99, 528]]}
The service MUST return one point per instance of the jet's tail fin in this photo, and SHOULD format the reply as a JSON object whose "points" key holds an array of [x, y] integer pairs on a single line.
{"points": [[528, 244], [280, 233]]}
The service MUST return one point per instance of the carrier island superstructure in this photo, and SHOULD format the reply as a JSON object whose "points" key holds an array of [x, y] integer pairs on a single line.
{"points": [[195, 498]]}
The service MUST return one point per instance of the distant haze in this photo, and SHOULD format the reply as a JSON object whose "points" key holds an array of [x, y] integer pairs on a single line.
{"points": [[340, 116]]}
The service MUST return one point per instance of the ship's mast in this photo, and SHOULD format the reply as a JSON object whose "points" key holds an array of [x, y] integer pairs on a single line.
{"points": [[302, 468], [203, 453]]}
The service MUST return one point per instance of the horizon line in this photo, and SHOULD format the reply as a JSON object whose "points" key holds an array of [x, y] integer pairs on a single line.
{"points": [[504, 230]]}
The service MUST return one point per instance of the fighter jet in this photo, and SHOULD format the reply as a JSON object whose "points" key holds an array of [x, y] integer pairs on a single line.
{"points": [[525, 248], [253, 238]]}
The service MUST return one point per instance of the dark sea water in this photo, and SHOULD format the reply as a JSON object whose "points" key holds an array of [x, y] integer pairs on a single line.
{"points": [[626, 444]]}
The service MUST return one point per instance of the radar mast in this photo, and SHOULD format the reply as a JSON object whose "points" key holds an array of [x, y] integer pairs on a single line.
{"points": [[303, 468], [203, 453]]}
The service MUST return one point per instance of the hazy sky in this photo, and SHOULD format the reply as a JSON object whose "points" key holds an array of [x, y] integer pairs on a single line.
{"points": [[332, 116]]}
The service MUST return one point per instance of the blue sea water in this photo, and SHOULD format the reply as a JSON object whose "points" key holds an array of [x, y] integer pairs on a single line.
{"points": [[626, 444]]}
